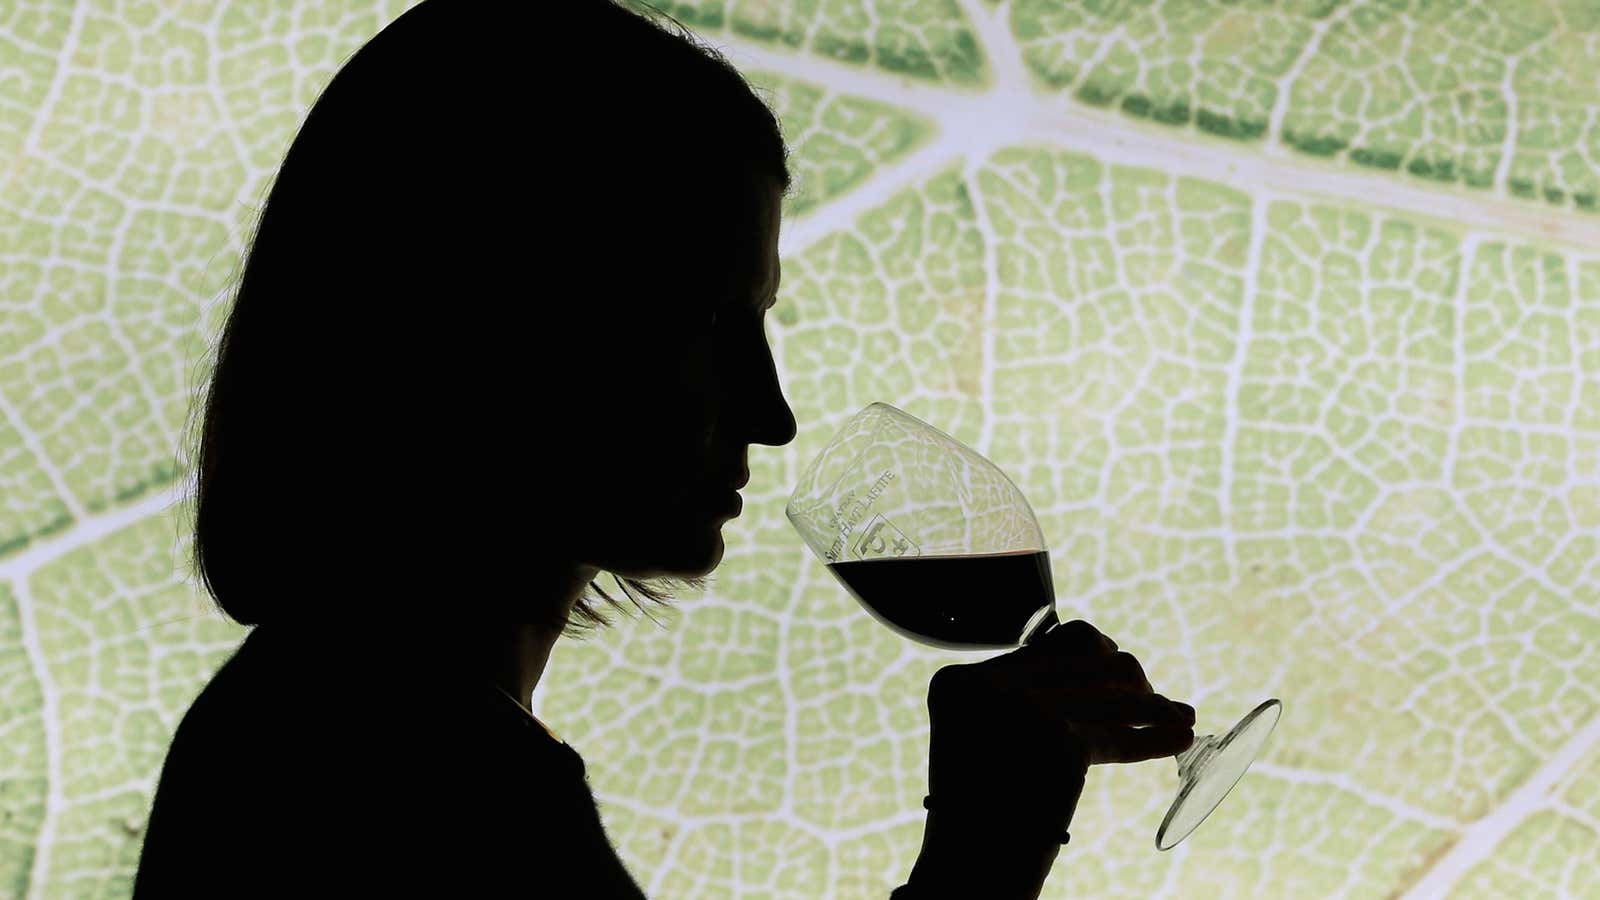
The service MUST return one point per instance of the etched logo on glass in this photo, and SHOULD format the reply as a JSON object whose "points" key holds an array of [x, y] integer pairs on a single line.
{"points": [[881, 539]]}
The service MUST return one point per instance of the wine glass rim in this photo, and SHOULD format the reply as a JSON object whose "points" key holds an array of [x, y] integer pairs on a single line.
{"points": [[872, 439]]}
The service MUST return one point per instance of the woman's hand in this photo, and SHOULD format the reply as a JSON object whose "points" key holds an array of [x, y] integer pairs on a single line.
{"points": [[1018, 732], [1013, 738]]}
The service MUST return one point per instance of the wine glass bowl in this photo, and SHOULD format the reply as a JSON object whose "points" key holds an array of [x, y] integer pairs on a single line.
{"points": [[889, 488], [938, 544]]}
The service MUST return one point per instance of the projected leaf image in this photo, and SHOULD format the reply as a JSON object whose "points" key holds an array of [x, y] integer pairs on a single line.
{"points": [[1284, 317]]}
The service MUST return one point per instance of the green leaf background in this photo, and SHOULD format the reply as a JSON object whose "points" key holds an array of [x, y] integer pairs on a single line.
{"points": [[1285, 317]]}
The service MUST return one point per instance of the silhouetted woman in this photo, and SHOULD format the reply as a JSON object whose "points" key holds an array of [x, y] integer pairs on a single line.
{"points": [[500, 329]]}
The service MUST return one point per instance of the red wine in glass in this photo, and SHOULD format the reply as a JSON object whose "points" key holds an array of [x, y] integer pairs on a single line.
{"points": [[931, 599]]}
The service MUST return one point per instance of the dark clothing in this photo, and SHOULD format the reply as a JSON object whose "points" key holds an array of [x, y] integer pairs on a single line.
{"points": [[307, 769]]}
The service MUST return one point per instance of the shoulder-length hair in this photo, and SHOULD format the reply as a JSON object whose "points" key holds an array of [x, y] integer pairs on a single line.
{"points": [[428, 232]]}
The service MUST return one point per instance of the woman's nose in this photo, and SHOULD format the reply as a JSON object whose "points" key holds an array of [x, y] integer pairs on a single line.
{"points": [[758, 399], [783, 424], [772, 421]]}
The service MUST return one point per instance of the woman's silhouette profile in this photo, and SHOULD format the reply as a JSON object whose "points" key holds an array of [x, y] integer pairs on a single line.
{"points": [[500, 329]]}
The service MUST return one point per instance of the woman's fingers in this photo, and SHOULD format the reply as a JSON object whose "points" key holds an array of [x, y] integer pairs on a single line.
{"points": [[1080, 635], [1120, 744], [1119, 669], [1113, 707], [1075, 638]]}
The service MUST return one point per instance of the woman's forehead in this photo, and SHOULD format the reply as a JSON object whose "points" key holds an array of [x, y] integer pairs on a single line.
{"points": [[733, 228], [756, 242]]}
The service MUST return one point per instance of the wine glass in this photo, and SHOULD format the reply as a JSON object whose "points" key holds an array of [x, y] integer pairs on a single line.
{"points": [[939, 545]]}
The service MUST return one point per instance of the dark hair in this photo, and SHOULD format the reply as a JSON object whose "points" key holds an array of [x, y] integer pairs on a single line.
{"points": [[402, 188]]}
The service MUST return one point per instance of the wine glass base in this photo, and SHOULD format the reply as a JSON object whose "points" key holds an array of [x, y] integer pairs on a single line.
{"points": [[1216, 774]]}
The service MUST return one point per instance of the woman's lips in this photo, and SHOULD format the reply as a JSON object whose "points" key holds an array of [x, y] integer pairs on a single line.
{"points": [[725, 499]]}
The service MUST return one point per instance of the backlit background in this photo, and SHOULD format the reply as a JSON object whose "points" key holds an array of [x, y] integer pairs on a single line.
{"points": [[1285, 317]]}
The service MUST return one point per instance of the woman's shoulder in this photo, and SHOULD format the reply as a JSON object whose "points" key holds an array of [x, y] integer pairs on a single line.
{"points": [[304, 699], [295, 721], [244, 726], [275, 758]]}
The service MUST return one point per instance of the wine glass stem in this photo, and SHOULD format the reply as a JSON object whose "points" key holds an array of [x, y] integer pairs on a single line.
{"points": [[1191, 759]]}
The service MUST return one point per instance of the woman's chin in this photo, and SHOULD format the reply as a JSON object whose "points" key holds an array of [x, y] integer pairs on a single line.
{"points": [[705, 556], [691, 553]]}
